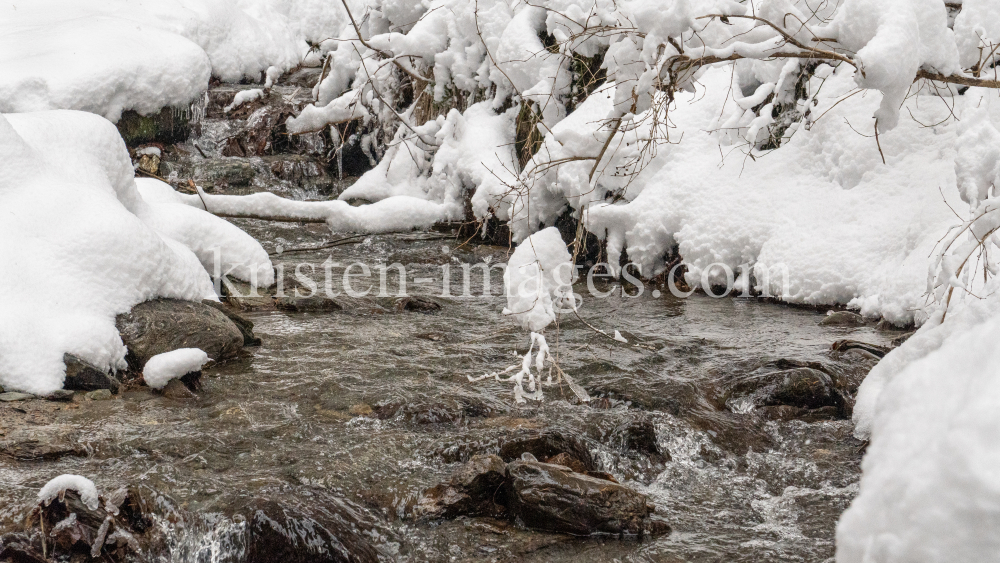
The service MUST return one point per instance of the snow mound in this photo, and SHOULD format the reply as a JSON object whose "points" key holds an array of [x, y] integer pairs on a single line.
{"points": [[81, 245], [539, 280], [57, 488], [161, 368], [112, 55]]}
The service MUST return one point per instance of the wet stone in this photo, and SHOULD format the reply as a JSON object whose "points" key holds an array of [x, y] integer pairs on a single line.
{"points": [[552, 498], [471, 490], [100, 395], [245, 326], [12, 396], [61, 395], [175, 389], [280, 533], [843, 318], [315, 303], [163, 325], [545, 445], [81, 375]]}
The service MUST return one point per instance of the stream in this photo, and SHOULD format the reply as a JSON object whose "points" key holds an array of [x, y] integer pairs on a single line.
{"points": [[371, 405]]}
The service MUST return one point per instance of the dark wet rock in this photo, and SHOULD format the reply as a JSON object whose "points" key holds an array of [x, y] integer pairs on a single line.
{"points": [[100, 395], [315, 303], [40, 443], [163, 325], [282, 533], [845, 345], [787, 412], [264, 131], [242, 296], [12, 396], [170, 125], [418, 304], [16, 548], [552, 498], [433, 411], [545, 445], [245, 326], [805, 388], [175, 389], [566, 460], [81, 375], [639, 436], [473, 490], [118, 530], [61, 395], [843, 318]]}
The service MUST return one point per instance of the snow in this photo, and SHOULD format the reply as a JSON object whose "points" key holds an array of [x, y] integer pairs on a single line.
{"points": [[58, 486], [539, 280], [242, 97], [78, 234], [112, 55], [161, 368]]}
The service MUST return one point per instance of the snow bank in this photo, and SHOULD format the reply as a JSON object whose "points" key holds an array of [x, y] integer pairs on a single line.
{"points": [[81, 245], [929, 489], [108, 56], [161, 368], [57, 488]]}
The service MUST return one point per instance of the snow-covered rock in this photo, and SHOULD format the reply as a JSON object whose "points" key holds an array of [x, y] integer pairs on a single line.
{"points": [[161, 368], [58, 486]]}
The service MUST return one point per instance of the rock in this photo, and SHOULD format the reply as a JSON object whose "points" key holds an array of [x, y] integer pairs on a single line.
{"points": [[61, 395], [16, 548], [804, 388], [472, 490], [163, 325], [280, 533], [175, 389], [149, 163], [843, 318], [242, 296], [552, 498], [114, 532], [100, 395], [307, 304], [360, 409], [263, 134], [565, 460], [12, 396], [1, 389], [640, 436], [81, 375], [41, 443], [899, 340], [245, 326], [418, 304], [545, 445], [874, 349], [169, 126]]}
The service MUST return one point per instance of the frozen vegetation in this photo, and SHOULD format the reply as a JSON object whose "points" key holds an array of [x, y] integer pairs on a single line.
{"points": [[828, 153]]}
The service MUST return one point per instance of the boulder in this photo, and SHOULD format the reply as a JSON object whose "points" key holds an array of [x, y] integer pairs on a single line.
{"points": [[245, 326], [472, 490], [282, 533], [804, 388], [553, 498], [163, 325], [545, 445], [81, 375]]}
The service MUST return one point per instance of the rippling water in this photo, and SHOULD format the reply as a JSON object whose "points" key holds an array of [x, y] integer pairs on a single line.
{"points": [[288, 420]]}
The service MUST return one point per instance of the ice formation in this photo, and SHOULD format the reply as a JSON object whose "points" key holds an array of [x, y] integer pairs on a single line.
{"points": [[161, 368], [56, 488]]}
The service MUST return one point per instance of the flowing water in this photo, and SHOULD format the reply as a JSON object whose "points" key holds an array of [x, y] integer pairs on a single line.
{"points": [[373, 405]]}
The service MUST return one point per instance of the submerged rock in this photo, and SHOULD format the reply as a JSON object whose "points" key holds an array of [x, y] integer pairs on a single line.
{"points": [[553, 498], [843, 318], [315, 303], [639, 436], [281, 533], [163, 325], [804, 388], [81, 375]]}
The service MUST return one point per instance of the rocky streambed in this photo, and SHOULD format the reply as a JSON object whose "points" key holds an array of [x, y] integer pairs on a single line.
{"points": [[350, 430]]}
